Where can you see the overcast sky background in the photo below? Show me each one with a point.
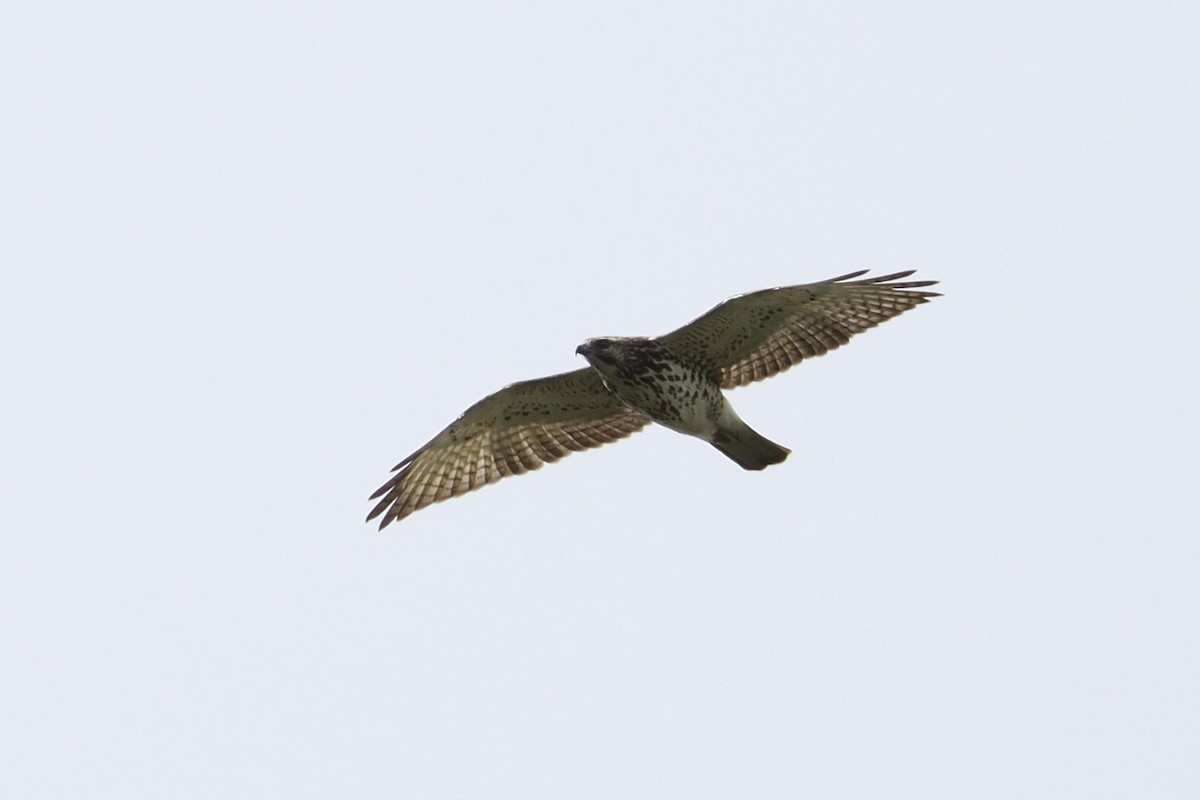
(255, 254)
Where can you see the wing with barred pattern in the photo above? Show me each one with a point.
(754, 336)
(517, 429)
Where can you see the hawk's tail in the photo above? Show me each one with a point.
(749, 448)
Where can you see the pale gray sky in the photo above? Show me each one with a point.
(254, 254)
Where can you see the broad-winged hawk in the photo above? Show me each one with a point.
(674, 380)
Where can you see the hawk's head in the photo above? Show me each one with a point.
(618, 353)
(593, 347)
(604, 350)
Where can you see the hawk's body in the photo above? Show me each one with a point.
(682, 394)
(675, 380)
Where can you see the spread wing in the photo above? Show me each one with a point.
(760, 334)
(517, 429)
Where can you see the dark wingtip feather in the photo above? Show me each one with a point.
(848, 276)
(894, 276)
(379, 507)
(891, 279)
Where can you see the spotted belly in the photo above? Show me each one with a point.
(672, 394)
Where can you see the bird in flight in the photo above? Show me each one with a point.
(675, 380)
